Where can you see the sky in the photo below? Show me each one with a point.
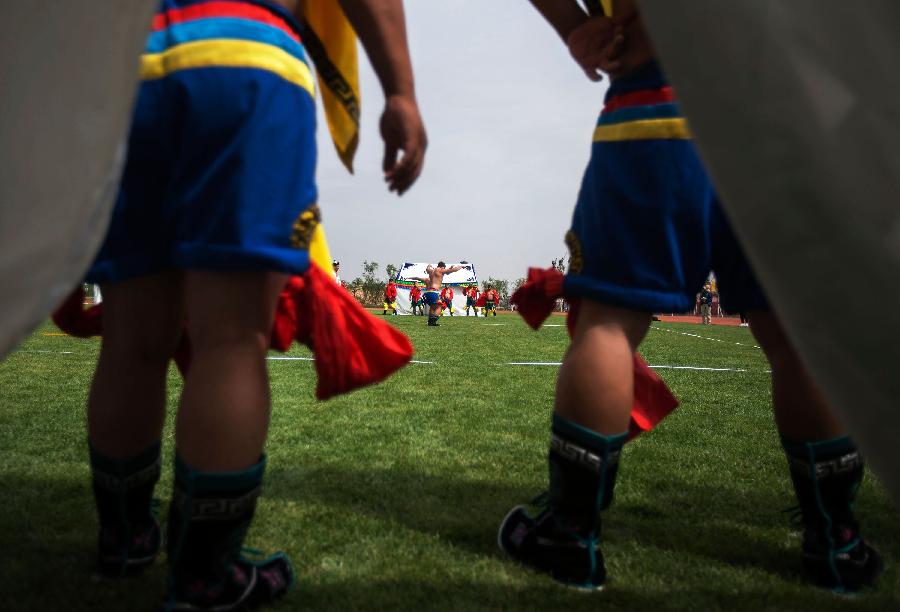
(509, 118)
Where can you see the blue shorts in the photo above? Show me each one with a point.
(648, 227)
(221, 161)
(432, 297)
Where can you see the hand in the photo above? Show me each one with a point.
(402, 129)
(596, 45)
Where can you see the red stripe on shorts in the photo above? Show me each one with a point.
(640, 98)
(222, 8)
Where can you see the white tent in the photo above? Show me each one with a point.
(457, 280)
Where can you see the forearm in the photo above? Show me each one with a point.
(381, 26)
(563, 15)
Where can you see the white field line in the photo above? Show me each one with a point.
(533, 363)
(285, 358)
(672, 331)
(656, 367)
(493, 323)
(47, 352)
(552, 325)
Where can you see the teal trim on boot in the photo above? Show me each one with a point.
(208, 521)
(129, 536)
(562, 536)
(826, 475)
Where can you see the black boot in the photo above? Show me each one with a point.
(208, 519)
(433, 320)
(561, 536)
(129, 536)
(826, 476)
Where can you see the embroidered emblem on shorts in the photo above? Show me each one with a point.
(305, 226)
(576, 259)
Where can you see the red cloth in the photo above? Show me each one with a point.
(447, 293)
(72, 318)
(351, 347)
(653, 400)
(482, 300)
(415, 293)
(390, 292)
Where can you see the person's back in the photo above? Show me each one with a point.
(217, 200)
(646, 231)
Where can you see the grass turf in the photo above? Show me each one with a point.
(389, 498)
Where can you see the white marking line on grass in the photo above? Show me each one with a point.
(48, 352)
(672, 331)
(552, 325)
(535, 363)
(493, 323)
(674, 367)
(656, 367)
(279, 358)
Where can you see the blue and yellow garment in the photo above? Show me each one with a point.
(221, 163)
(647, 227)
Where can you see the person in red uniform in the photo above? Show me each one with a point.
(415, 294)
(390, 298)
(447, 298)
(471, 297)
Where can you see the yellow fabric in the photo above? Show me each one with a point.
(318, 250)
(229, 53)
(607, 7)
(337, 71)
(643, 129)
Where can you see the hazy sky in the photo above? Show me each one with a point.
(509, 119)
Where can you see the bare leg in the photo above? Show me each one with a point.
(594, 394)
(835, 554)
(142, 321)
(801, 411)
(595, 387)
(224, 414)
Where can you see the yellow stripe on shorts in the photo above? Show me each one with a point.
(643, 129)
(227, 54)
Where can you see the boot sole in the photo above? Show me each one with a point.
(580, 588)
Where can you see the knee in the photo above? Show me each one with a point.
(773, 340)
(228, 338)
(141, 347)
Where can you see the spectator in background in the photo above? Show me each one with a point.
(471, 297)
(390, 298)
(447, 300)
(415, 297)
(706, 298)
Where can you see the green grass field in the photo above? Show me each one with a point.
(389, 498)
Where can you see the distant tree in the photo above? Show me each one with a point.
(517, 284)
(560, 264)
(372, 286)
(391, 270)
(355, 287)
